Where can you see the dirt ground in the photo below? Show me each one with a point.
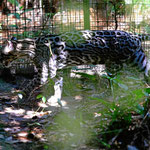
(33, 125)
(25, 127)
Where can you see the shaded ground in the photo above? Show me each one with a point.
(25, 127)
(73, 127)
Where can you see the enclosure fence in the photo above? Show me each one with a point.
(32, 18)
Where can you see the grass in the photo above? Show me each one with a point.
(121, 108)
(129, 98)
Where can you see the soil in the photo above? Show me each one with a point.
(35, 125)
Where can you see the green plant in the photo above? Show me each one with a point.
(43, 98)
(116, 114)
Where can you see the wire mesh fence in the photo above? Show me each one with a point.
(32, 18)
(29, 18)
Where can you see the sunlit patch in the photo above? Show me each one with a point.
(38, 133)
(43, 105)
(70, 129)
(97, 115)
(22, 134)
(24, 139)
(13, 129)
(16, 112)
(56, 104)
(31, 114)
(78, 97)
(2, 113)
(64, 103)
(14, 122)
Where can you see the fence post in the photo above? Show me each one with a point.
(86, 10)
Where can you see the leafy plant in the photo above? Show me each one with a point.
(43, 98)
(117, 112)
(14, 2)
